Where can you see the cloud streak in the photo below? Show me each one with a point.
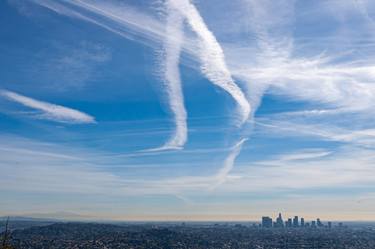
(173, 43)
(228, 165)
(129, 22)
(121, 20)
(49, 111)
(212, 56)
(330, 90)
(275, 63)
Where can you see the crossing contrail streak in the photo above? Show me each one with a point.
(212, 56)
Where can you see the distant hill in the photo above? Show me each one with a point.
(26, 218)
(56, 216)
(23, 222)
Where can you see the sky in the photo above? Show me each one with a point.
(187, 109)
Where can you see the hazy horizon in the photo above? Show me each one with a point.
(211, 219)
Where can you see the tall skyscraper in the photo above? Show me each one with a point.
(279, 221)
(302, 222)
(266, 222)
(295, 221)
(319, 223)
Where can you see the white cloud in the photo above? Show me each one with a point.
(228, 164)
(212, 56)
(271, 62)
(123, 20)
(30, 165)
(133, 22)
(190, 183)
(277, 64)
(49, 111)
(305, 155)
(337, 85)
(348, 167)
(71, 67)
(173, 88)
(281, 126)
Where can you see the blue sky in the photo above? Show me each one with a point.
(187, 110)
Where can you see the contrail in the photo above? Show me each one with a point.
(222, 174)
(173, 43)
(49, 111)
(212, 56)
(210, 53)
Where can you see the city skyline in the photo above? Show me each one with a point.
(187, 109)
(295, 222)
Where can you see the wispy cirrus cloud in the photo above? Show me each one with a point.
(75, 66)
(209, 182)
(228, 165)
(41, 167)
(207, 49)
(122, 20)
(334, 80)
(311, 64)
(47, 110)
(309, 169)
(338, 86)
(272, 61)
(294, 127)
(36, 166)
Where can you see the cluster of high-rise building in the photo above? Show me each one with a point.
(267, 222)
